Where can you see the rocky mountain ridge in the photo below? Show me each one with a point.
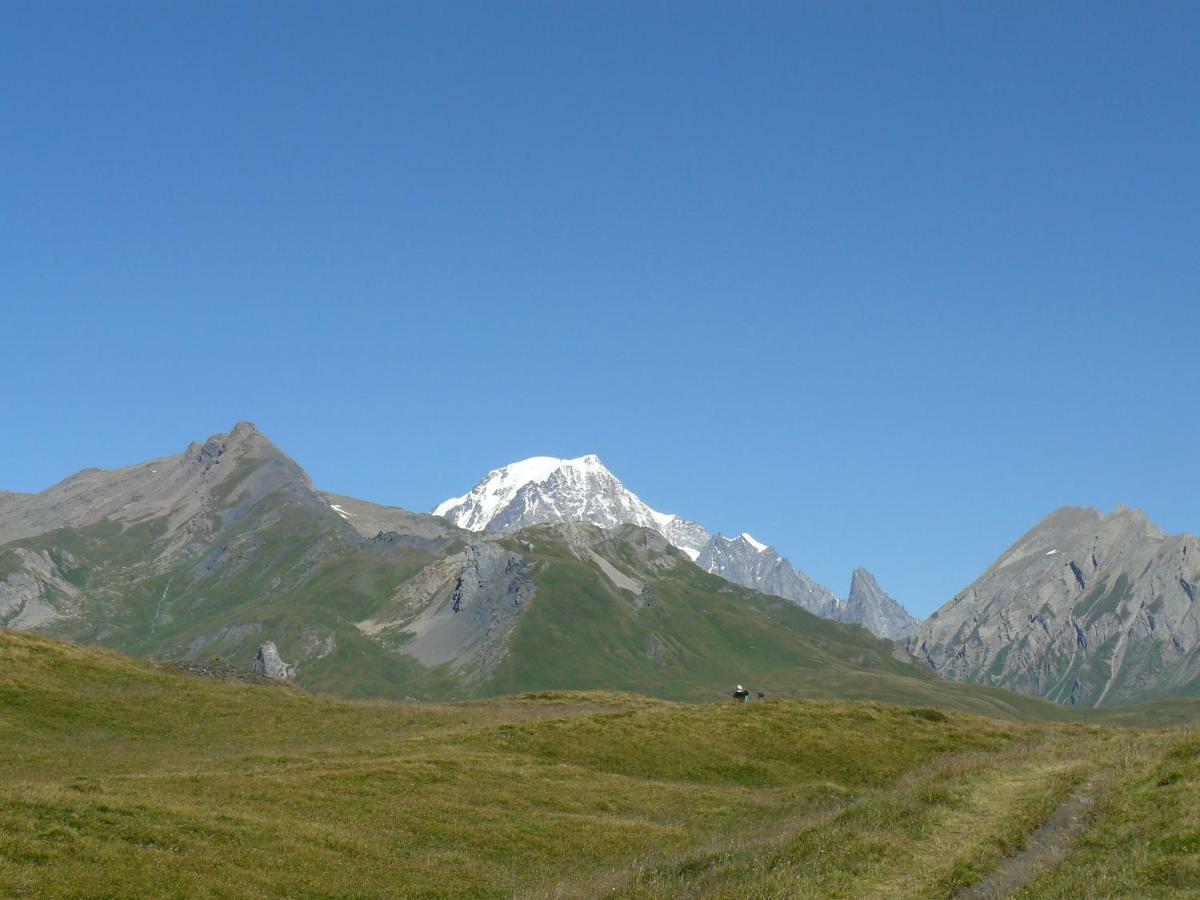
(545, 489)
(1085, 608)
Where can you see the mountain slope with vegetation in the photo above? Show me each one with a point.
(228, 546)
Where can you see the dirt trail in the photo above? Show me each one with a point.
(1046, 847)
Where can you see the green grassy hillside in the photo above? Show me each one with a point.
(118, 778)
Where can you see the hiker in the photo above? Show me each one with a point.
(741, 695)
(762, 698)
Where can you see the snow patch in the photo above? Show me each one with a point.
(662, 519)
(341, 512)
(760, 547)
(1052, 552)
(693, 553)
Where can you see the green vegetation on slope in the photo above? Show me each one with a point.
(278, 572)
(119, 779)
(697, 635)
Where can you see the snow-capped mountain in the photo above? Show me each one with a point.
(544, 489)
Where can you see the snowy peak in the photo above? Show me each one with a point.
(545, 489)
(474, 510)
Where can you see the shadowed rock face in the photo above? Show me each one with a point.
(1085, 609)
(739, 560)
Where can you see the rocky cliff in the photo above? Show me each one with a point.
(1086, 608)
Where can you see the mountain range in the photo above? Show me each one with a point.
(544, 490)
(227, 550)
(559, 577)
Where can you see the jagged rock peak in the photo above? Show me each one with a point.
(868, 605)
(242, 434)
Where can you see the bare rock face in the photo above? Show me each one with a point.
(1084, 609)
(747, 562)
(869, 606)
(391, 524)
(268, 663)
(37, 593)
(460, 611)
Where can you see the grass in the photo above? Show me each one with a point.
(1145, 841)
(118, 778)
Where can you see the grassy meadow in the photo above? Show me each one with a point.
(121, 779)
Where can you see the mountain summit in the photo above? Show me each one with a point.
(1086, 608)
(547, 490)
(869, 605)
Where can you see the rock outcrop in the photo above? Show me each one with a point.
(268, 663)
(460, 611)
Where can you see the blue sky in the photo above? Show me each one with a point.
(882, 283)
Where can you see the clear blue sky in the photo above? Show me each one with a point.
(882, 283)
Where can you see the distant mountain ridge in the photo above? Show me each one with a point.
(227, 547)
(227, 551)
(545, 489)
(747, 561)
